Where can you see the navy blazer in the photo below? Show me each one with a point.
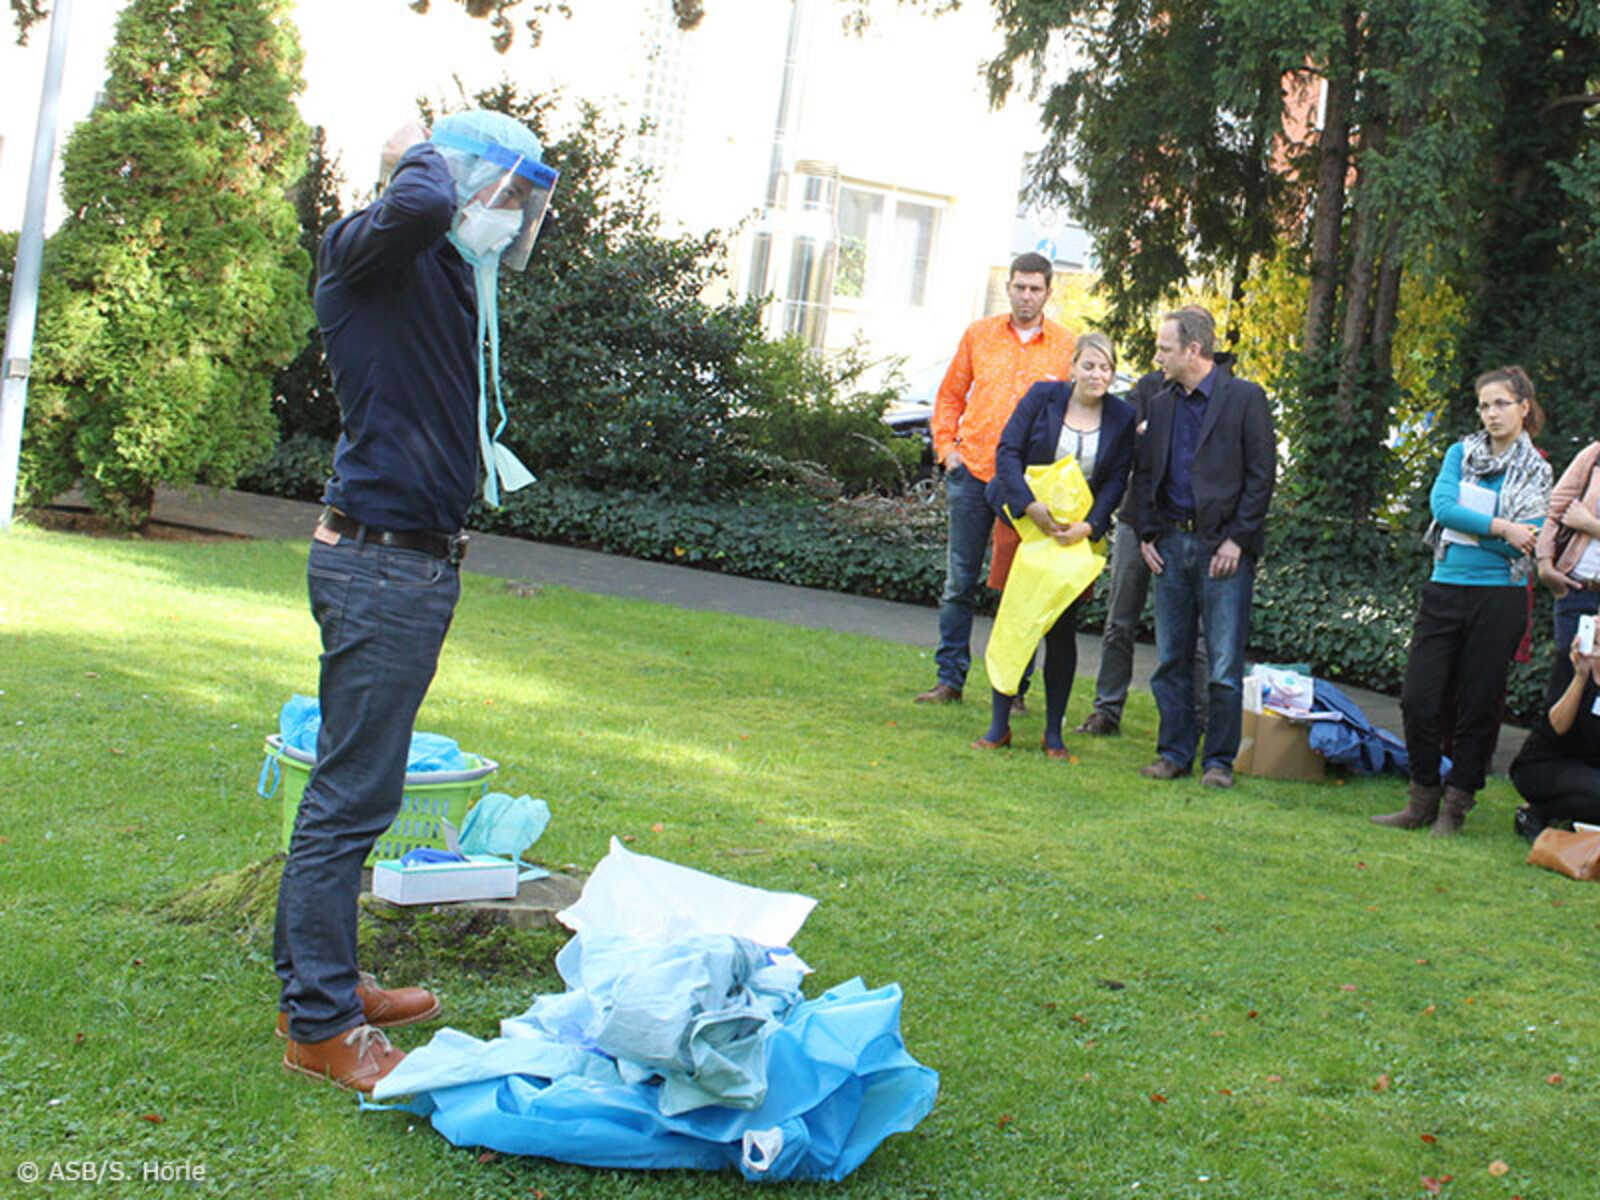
(1235, 465)
(1031, 436)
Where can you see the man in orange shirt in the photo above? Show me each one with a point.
(998, 360)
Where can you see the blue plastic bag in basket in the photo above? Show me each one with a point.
(300, 721)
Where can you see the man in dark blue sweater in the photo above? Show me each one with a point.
(399, 299)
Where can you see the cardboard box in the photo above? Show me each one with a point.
(1274, 747)
(482, 877)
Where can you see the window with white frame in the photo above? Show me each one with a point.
(886, 241)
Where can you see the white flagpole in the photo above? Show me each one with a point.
(15, 366)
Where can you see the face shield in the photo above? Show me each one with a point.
(511, 209)
(507, 192)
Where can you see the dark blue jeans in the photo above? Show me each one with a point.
(971, 519)
(383, 614)
(1187, 598)
(1130, 582)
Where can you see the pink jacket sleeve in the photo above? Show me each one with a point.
(1571, 486)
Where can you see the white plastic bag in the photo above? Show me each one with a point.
(1285, 691)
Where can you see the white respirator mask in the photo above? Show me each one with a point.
(487, 231)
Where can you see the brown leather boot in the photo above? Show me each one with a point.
(1422, 806)
(355, 1059)
(387, 1008)
(1453, 812)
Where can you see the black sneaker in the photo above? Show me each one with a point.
(1528, 823)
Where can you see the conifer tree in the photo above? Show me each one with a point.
(176, 286)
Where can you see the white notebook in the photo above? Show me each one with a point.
(1480, 500)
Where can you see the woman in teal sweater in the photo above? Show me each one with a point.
(1488, 502)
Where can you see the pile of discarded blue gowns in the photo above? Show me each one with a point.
(683, 1040)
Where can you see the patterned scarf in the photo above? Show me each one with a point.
(1524, 493)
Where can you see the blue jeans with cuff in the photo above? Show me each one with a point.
(383, 613)
(1187, 598)
(971, 519)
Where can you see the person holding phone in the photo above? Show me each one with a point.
(1557, 772)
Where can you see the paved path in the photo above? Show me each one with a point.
(687, 587)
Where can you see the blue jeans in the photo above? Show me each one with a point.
(1130, 582)
(1187, 598)
(383, 614)
(971, 519)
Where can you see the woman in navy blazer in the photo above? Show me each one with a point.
(1054, 420)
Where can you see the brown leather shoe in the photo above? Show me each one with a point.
(355, 1059)
(1099, 725)
(940, 693)
(387, 1008)
(984, 743)
(1164, 768)
(1217, 777)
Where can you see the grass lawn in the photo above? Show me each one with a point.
(1129, 989)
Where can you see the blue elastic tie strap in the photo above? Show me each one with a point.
(426, 855)
(270, 771)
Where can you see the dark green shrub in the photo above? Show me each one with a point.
(302, 392)
(890, 549)
(812, 408)
(297, 468)
(617, 373)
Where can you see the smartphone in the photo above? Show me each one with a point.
(1586, 634)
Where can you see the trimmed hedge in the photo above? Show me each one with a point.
(873, 546)
(1339, 595)
(1336, 594)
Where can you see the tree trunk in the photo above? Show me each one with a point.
(1327, 216)
(1385, 313)
(1367, 236)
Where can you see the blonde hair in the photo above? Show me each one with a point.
(1094, 340)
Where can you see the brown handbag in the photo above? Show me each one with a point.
(1575, 855)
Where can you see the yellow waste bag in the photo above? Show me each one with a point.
(1046, 577)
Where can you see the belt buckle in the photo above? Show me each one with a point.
(458, 548)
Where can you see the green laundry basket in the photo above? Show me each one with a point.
(431, 797)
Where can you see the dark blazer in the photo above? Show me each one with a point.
(1030, 438)
(1139, 396)
(1235, 465)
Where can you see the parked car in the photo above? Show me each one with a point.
(912, 416)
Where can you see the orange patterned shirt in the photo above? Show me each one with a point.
(989, 374)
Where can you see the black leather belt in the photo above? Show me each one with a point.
(452, 547)
(1183, 523)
